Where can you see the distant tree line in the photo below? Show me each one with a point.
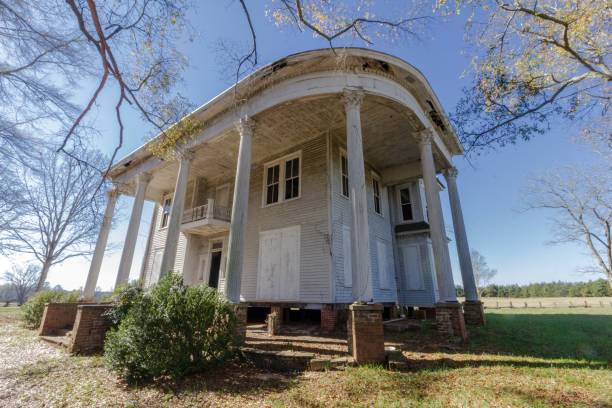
(594, 288)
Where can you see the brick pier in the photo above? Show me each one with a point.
(473, 312)
(366, 337)
(449, 319)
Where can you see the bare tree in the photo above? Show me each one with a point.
(482, 272)
(63, 205)
(579, 201)
(134, 45)
(535, 62)
(23, 280)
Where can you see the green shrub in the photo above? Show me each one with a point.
(173, 330)
(123, 298)
(34, 308)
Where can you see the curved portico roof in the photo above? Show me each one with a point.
(301, 73)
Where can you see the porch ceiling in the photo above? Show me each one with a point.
(387, 130)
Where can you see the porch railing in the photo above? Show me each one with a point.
(209, 210)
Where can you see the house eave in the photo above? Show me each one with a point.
(223, 101)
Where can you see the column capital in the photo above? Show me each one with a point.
(451, 173)
(424, 137)
(144, 178)
(352, 98)
(245, 125)
(185, 155)
(113, 193)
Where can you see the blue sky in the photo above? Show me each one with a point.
(513, 242)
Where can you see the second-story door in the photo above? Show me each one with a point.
(222, 195)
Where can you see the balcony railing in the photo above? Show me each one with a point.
(209, 210)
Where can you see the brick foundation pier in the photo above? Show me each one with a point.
(449, 319)
(473, 312)
(366, 338)
(329, 318)
(90, 327)
(241, 314)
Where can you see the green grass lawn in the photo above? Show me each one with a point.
(576, 333)
(522, 358)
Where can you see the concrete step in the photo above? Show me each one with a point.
(63, 341)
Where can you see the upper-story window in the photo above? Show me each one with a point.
(376, 191)
(272, 184)
(166, 212)
(282, 179)
(292, 178)
(344, 174)
(406, 204)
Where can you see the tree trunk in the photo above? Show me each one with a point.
(43, 276)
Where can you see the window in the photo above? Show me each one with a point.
(286, 169)
(376, 190)
(344, 173)
(405, 204)
(272, 184)
(166, 212)
(292, 178)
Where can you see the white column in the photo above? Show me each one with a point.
(444, 274)
(176, 214)
(463, 249)
(362, 279)
(96, 260)
(125, 264)
(235, 253)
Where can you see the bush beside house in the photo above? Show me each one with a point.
(34, 308)
(173, 330)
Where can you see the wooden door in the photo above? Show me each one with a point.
(278, 277)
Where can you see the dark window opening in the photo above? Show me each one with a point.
(166, 213)
(272, 184)
(345, 180)
(406, 204)
(376, 189)
(292, 178)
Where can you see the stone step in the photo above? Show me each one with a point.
(63, 341)
(63, 332)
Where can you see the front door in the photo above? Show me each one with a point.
(215, 264)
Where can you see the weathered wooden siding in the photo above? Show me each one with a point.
(309, 211)
(428, 295)
(379, 227)
(158, 241)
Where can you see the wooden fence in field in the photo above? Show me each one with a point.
(541, 303)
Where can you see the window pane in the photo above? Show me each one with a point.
(296, 166)
(405, 196)
(296, 187)
(377, 204)
(344, 175)
(276, 172)
(406, 212)
(288, 172)
(270, 175)
(288, 189)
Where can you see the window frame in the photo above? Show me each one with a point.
(413, 203)
(163, 212)
(344, 155)
(282, 163)
(376, 179)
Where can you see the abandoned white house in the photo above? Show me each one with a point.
(313, 184)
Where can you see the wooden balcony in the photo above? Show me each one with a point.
(207, 219)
